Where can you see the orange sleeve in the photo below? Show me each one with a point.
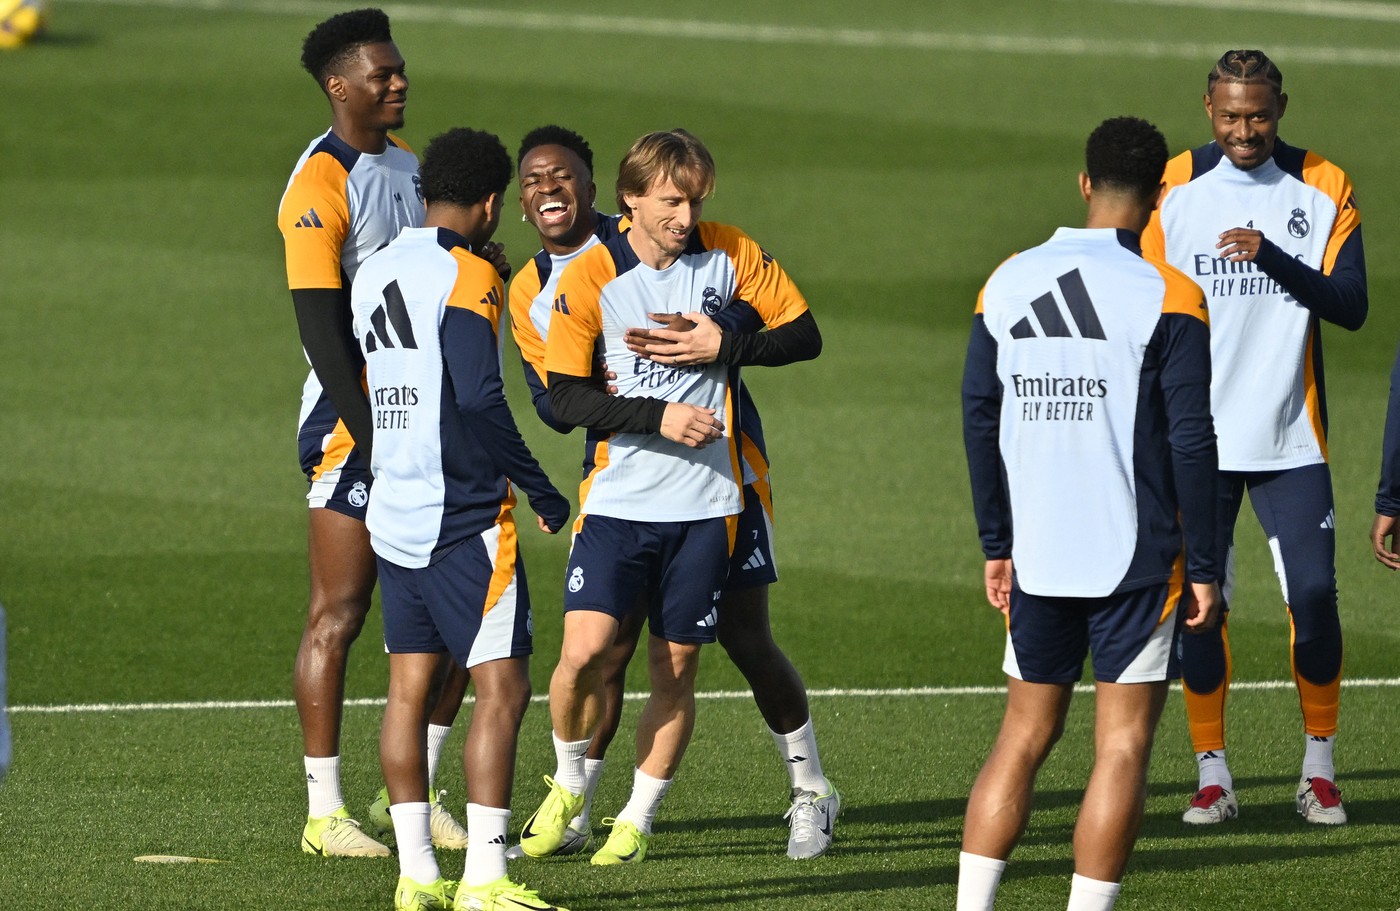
(1182, 295)
(314, 219)
(759, 279)
(576, 318)
(523, 291)
(1320, 173)
(478, 287)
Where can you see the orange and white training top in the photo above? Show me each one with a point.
(607, 290)
(1265, 341)
(340, 206)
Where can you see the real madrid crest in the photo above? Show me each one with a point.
(1298, 225)
(710, 302)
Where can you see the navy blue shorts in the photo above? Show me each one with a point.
(676, 569)
(752, 562)
(1132, 635)
(336, 470)
(471, 601)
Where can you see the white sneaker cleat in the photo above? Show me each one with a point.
(447, 832)
(1319, 801)
(811, 818)
(337, 835)
(1211, 805)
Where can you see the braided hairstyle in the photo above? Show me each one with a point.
(1246, 67)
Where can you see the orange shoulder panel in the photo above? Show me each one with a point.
(400, 143)
(314, 220)
(524, 288)
(1321, 174)
(758, 277)
(1182, 295)
(478, 287)
(576, 317)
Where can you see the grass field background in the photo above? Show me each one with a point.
(152, 534)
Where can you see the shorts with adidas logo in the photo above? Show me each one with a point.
(676, 569)
(1132, 635)
(471, 601)
(752, 563)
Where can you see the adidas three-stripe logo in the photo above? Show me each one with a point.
(1052, 322)
(1331, 520)
(310, 220)
(393, 312)
(755, 561)
(710, 619)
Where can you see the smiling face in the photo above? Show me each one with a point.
(662, 221)
(1244, 117)
(556, 195)
(371, 88)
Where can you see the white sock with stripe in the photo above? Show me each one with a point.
(323, 795)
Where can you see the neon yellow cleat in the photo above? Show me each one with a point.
(411, 895)
(378, 822)
(501, 895)
(544, 832)
(625, 845)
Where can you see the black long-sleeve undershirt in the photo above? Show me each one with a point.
(324, 323)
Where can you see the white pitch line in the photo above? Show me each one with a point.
(1326, 9)
(714, 695)
(558, 22)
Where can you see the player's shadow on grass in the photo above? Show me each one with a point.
(810, 882)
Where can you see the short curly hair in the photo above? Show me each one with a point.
(555, 136)
(464, 166)
(1245, 66)
(1126, 154)
(332, 42)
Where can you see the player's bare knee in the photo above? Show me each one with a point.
(335, 622)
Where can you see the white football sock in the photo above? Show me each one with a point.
(978, 878)
(647, 793)
(416, 858)
(799, 752)
(592, 772)
(1087, 894)
(322, 785)
(437, 736)
(568, 757)
(1213, 770)
(486, 844)
(1317, 758)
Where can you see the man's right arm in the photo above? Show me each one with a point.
(1185, 381)
(981, 396)
(326, 334)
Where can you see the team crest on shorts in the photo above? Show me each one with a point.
(358, 495)
(710, 302)
(576, 579)
(1298, 225)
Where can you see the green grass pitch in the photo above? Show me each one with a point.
(890, 154)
